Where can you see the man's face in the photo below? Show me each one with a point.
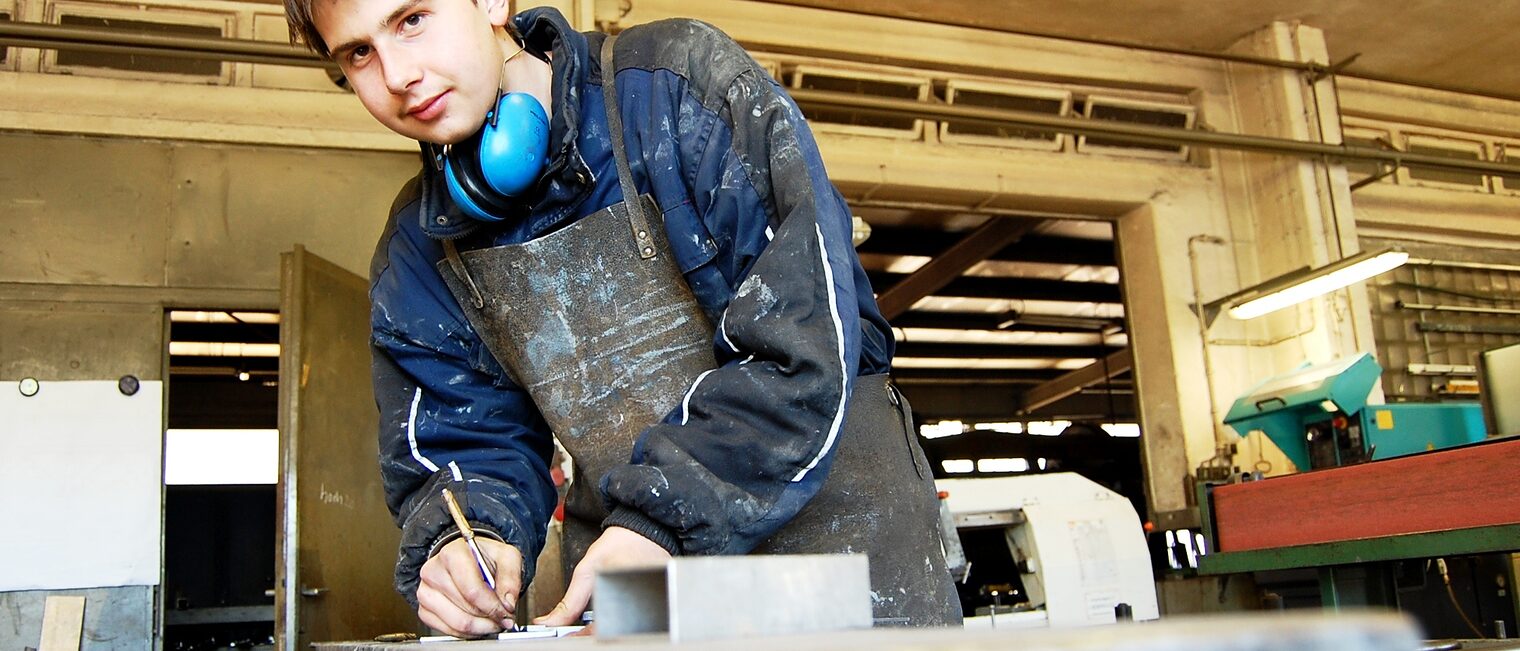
(426, 69)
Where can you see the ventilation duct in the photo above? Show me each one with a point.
(1005, 97)
(1153, 114)
(866, 84)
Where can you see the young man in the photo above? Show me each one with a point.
(709, 355)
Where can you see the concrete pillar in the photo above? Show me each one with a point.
(1286, 213)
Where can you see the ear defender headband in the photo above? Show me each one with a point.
(503, 159)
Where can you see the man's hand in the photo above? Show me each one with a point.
(617, 547)
(453, 598)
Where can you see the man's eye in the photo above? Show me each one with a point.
(413, 20)
(358, 53)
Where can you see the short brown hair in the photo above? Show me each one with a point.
(302, 29)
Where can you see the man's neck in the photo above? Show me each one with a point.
(528, 74)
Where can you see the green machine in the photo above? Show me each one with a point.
(1319, 417)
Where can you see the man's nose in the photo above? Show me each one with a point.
(401, 71)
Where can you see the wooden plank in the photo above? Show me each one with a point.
(62, 623)
(1003, 351)
(1077, 380)
(1461, 488)
(904, 240)
(997, 233)
(1008, 287)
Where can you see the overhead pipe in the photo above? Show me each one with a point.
(1457, 264)
(1139, 133)
(106, 39)
(1315, 70)
(25, 34)
(1432, 307)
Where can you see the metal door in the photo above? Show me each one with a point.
(336, 540)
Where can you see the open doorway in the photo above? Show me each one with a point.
(221, 459)
(1016, 365)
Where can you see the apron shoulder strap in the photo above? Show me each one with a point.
(638, 217)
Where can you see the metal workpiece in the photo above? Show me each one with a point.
(735, 597)
(1300, 631)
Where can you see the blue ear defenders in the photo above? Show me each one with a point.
(500, 161)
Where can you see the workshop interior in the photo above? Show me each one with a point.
(1204, 310)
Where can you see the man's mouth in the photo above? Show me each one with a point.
(429, 108)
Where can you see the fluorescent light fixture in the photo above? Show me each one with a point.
(860, 230)
(1047, 427)
(1122, 430)
(222, 349)
(942, 429)
(1002, 465)
(1299, 286)
(958, 466)
(188, 316)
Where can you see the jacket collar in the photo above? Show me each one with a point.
(545, 32)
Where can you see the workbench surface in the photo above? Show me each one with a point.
(1308, 631)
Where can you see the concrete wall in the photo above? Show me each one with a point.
(173, 214)
(102, 234)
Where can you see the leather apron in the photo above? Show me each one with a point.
(596, 322)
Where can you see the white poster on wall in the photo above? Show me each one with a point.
(81, 480)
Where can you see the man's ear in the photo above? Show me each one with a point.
(499, 11)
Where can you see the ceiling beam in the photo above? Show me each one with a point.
(1001, 351)
(942, 376)
(1032, 289)
(998, 402)
(188, 364)
(993, 321)
(992, 236)
(1054, 249)
(1073, 382)
(1081, 443)
(907, 376)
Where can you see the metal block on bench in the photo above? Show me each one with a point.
(716, 597)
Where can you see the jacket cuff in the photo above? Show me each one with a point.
(429, 526)
(452, 534)
(641, 524)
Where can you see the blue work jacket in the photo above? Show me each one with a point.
(762, 238)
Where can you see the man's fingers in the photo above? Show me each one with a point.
(453, 590)
(507, 562)
(441, 589)
(441, 615)
(477, 597)
(577, 595)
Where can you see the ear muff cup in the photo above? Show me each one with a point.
(461, 172)
(501, 161)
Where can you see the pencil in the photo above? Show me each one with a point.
(469, 537)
